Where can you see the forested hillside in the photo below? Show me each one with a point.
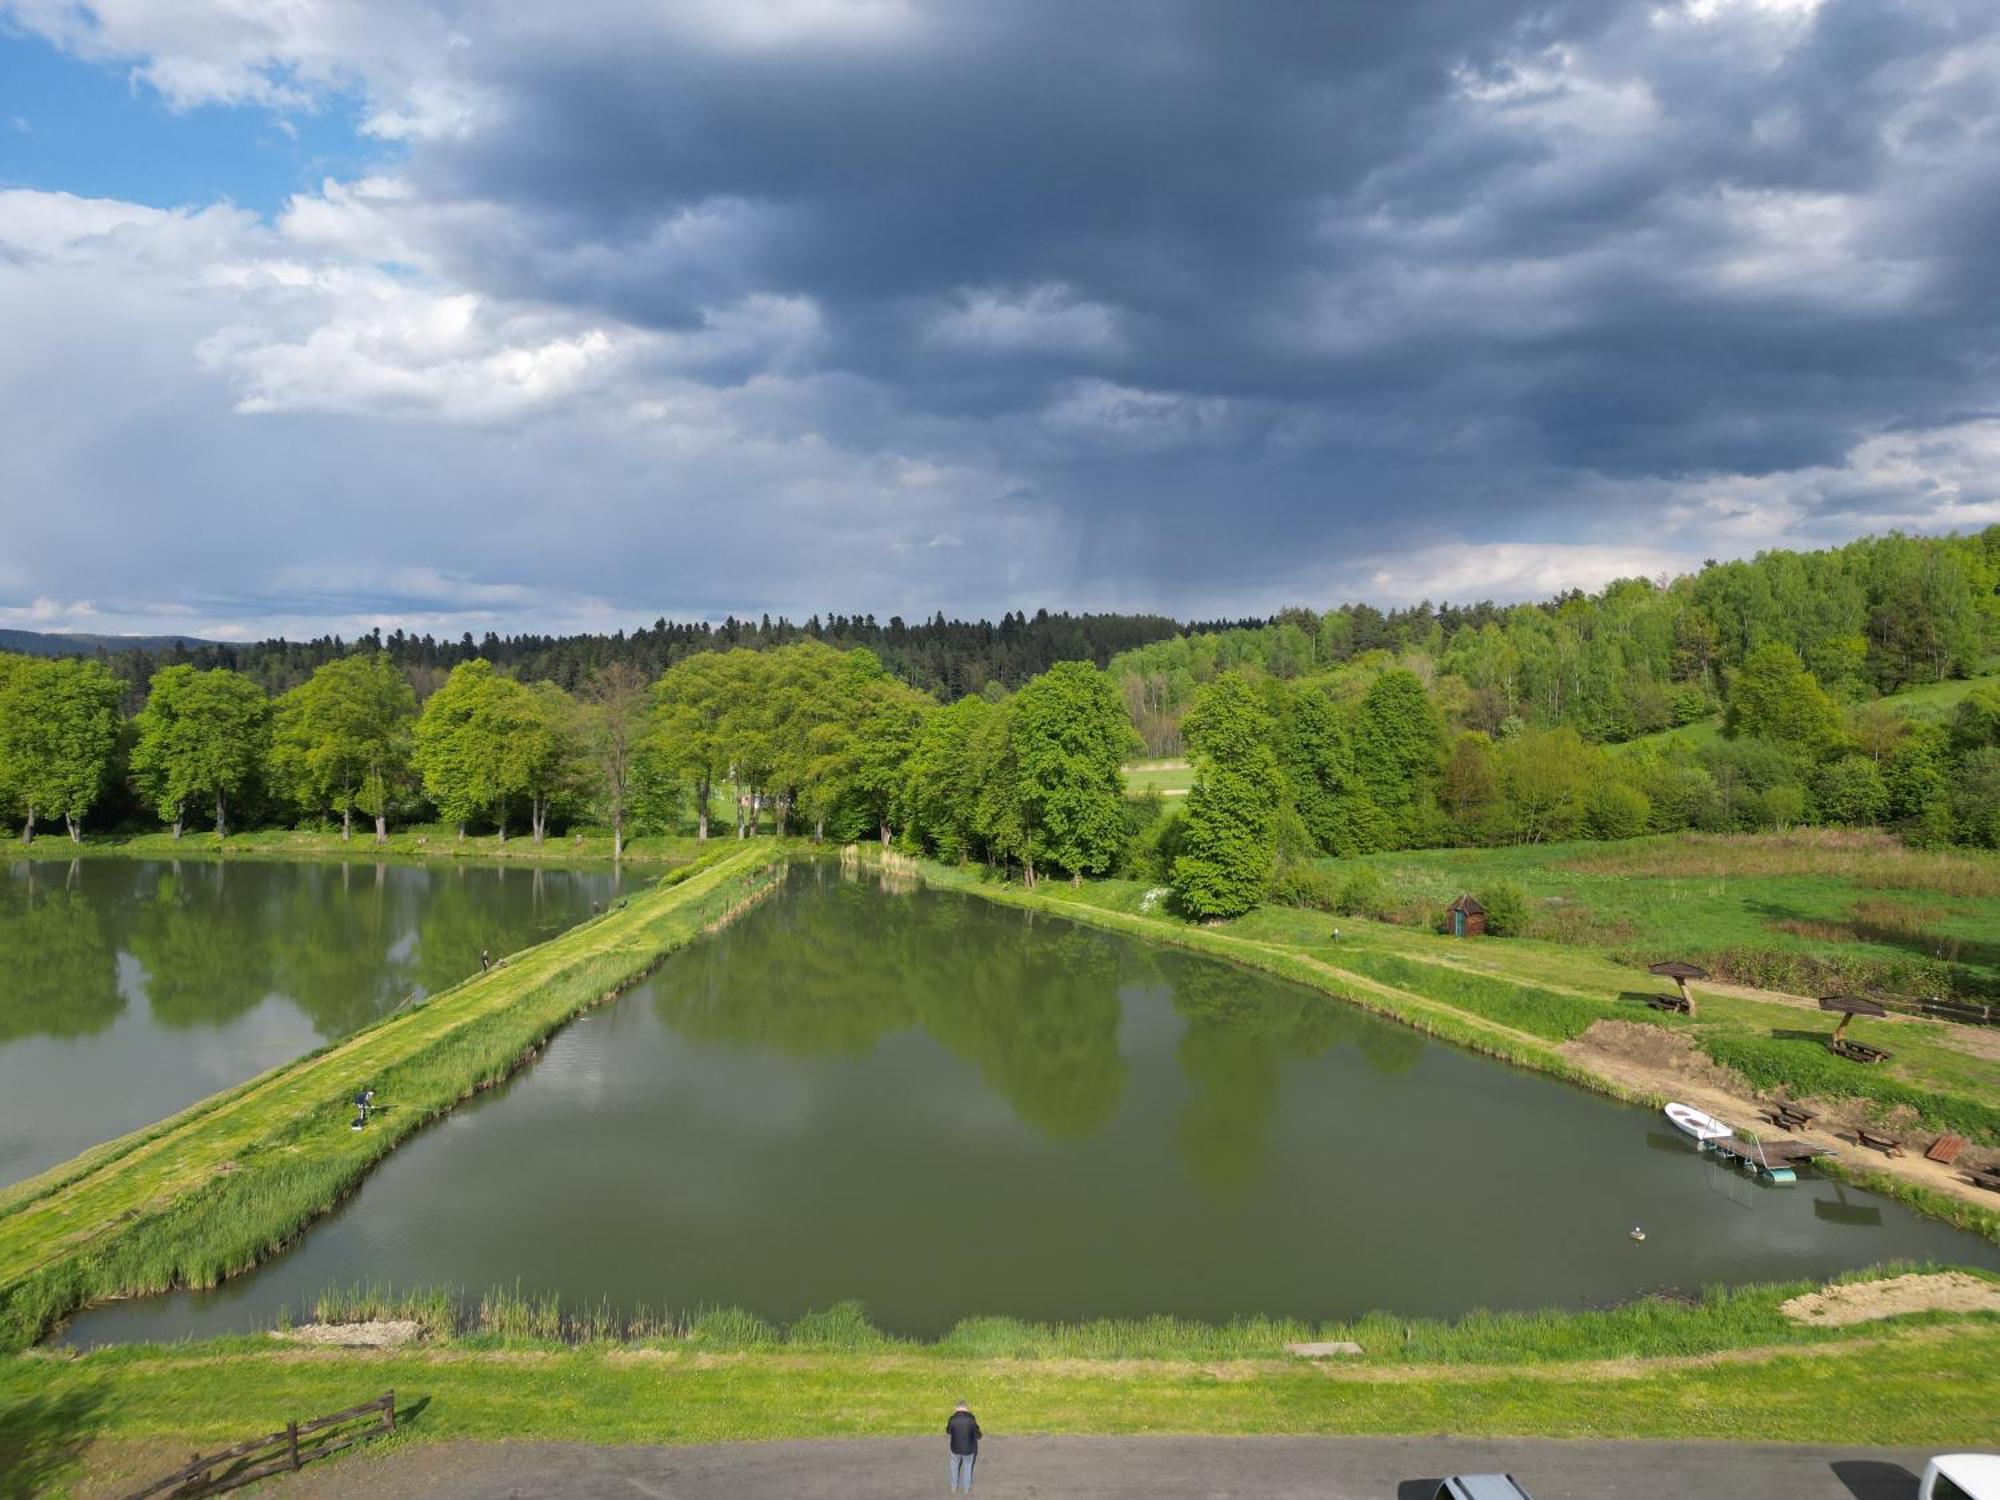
(946, 657)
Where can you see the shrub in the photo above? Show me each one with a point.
(1363, 893)
(1295, 883)
(1506, 909)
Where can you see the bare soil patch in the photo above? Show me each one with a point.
(1864, 1301)
(380, 1333)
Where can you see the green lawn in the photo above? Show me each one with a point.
(1856, 896)
(1920, 1384)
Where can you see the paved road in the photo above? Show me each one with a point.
(1082, 1468)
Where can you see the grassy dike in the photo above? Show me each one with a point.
(424, 843)
(212, 1190)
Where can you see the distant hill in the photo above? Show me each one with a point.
(40, 643)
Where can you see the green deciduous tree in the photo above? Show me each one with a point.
(341, 739)
(1773, 697)
(202, 736)
(460, 745)
(58, 734)
(1230, 841)
(614, 726)
(1070, 740)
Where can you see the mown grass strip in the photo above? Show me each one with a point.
(1937, 1385)
(223, 1184)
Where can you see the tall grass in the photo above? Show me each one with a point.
(1720, 1319)
(1867, 857)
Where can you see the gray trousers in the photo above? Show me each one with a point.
(961, 1469)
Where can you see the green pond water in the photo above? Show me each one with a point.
(130, 989)
(943, 1108)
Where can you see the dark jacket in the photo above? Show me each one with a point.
(963, 1430)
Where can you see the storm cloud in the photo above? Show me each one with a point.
(904, 305)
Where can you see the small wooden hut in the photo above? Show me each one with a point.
(1466, 916)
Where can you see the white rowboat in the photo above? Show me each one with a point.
(1691, 1121)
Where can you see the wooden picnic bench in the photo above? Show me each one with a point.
(1792, 1116)
(1986, 1177)
(1888, 1145)
(1854, 1051)
(1670, 1002)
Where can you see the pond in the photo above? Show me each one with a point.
(942, 1108)
(130, 989)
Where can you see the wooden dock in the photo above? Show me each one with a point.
(1775, 1161)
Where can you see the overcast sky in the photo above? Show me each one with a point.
(461, 314)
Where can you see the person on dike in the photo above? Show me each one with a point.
(963, 1430)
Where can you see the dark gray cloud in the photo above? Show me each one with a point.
(1173, 304)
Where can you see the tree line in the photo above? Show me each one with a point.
(800, 738)
(947, 658)
(1373, 732)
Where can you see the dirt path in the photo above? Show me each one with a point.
(1652, 1060)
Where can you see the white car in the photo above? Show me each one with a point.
(1961, 1476)
(1485, 1487)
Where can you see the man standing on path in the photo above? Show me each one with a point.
(963, 1430)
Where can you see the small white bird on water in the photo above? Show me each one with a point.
(1637, 1233)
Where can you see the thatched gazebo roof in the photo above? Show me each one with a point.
(1675, 969)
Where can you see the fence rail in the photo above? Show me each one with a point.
(277, 1453)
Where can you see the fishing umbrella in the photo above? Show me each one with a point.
(1680, 973)
(1848, 1007)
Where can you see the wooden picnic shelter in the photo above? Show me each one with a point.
(1847, 1007)
(1680, 973)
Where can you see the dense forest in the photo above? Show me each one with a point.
(947, 658)
(1311, 735)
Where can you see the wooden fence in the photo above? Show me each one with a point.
(281, 1452)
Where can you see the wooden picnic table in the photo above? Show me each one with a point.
(1670, 1002)
(1888, 1145)
(1854, 1051)
(1792, 1116)
(1987, 1177)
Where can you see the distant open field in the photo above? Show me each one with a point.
(1170, 778)
(1931, 702)
(1817, 894)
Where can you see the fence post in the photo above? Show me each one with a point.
(389, 1410)
(292, 1436)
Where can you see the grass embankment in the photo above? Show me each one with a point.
(423, 842)
(1916, 1383)
(212, 1190)
(1522, 1000)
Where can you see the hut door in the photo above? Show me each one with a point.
(1458, 924)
